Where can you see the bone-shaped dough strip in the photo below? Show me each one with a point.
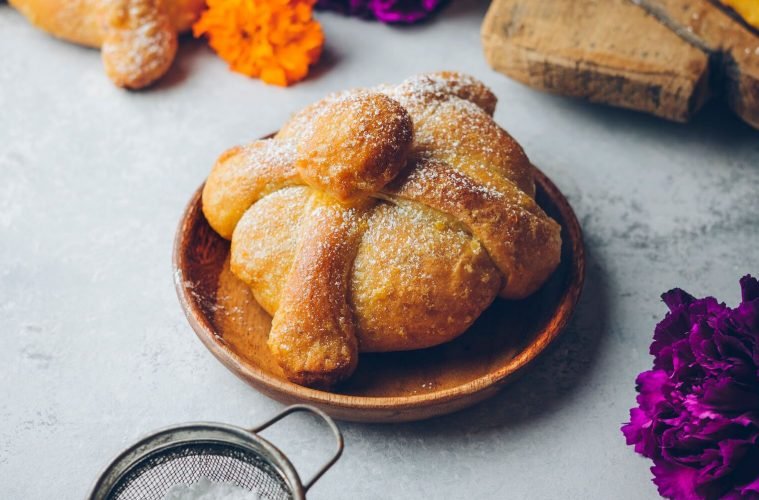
(313, 333)
(521, 239)
(242, 176)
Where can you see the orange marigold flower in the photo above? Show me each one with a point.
(275, 40)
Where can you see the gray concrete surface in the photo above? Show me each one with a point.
(96, 351)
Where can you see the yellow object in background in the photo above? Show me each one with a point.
(748, 10)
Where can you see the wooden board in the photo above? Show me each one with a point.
(664, 57)
(733, 47)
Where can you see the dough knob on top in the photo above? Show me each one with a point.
(354, 145)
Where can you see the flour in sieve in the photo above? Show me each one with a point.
(208, 490)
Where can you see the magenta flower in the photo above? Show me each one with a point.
(386, 11)
(698, 408)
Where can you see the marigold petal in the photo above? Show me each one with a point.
(275, 40)
(274, 75)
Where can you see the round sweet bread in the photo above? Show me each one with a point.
(381, 220)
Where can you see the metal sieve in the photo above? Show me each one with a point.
(186, 453)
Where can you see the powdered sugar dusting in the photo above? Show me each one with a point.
(354, 143)
(422, 89)
(387, 268)
(269, 152)
(452, 123)
(139, 43)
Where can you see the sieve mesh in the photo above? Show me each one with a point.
(187, 463)
(220, 453)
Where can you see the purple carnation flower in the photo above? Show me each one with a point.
(386, 11)
(698, 408)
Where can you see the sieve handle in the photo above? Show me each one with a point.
(327, 419)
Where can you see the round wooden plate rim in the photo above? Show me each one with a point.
(245, 371)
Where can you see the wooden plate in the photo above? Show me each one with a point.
(387, 387)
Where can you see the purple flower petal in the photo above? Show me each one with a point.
(752, 487)
(675, 481)
(386, 11)
(698, 409)
(677, 298)
(650, 389)
(640, 432)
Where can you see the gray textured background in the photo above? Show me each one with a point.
(96, 350)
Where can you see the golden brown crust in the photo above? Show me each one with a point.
(420, 284)
(264, 243)
(440, 86)
(467, 88)
(139, 42)
(242, 176)
(418, 279)
(313, 332)
(294, 128)
(453, 123)
(78, 22)
(405, 266)
(354, 145)
(521, 239)
(461, 134)
(138, 37)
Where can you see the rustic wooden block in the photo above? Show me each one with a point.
(732, 46)
(664, 57)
